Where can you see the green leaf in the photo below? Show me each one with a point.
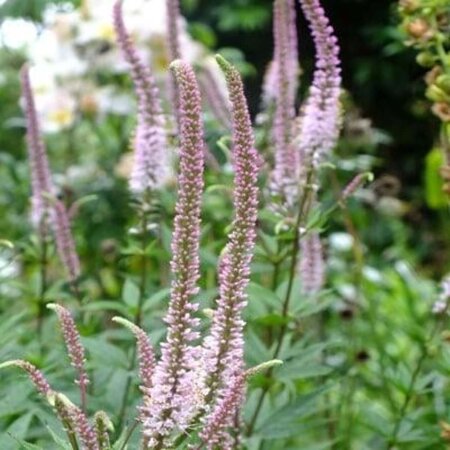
(286, 421)
(130, 293)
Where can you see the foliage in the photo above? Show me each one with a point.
(366, 357)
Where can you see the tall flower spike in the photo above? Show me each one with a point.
(286, 66)
(224, 346)
(74, 348)
(321, 119)
(37, 155)
(150, 168)
(174, 382)
(174, 49)
(312, 269)
(64, 240)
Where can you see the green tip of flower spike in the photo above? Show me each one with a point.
(13, 362)
(223, 63)
(126, 323)
(175, 65)
(263, 366)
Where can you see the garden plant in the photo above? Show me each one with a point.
(180, 271)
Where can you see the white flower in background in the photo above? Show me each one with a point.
(74, 46)
(17, 33)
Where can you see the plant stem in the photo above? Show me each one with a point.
(43, 262)
(302, 212)
(410, 391)
(138, 315)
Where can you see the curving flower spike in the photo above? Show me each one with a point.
(151, 166)
(312, 268)
(224, 347)
(74, 348)
(37, 154)
(321, 119)
(146, 355)
(36, 376)
(171, 402)
(64, 240)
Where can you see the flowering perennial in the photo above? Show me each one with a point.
(150, 168)
(224, 346)
(170, 402)
(320, 120)
(40, 171)
(285, 66)
(64, 240)
(74, 348)
(312, 268)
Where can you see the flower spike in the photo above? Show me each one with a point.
(145, 352)
(321, 117)
(64, 240)
(312, 268)
(174, 383)
(286, 70)
(37, 154)
(224, 346)
(151, 167)
(74, 348)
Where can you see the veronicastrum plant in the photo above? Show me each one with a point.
(192, 392)
(240, 363)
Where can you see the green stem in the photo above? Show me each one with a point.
(138, 315)
(302, 212)
(410, 391)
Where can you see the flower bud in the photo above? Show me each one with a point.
(418, 29)
(443, 82)
(425, 59)
(436, 94)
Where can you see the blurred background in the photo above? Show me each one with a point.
(386, 86)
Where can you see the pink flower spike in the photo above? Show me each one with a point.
(286, 69)
(321, 117)
(74, 348)
(312, 268)
(146, 355)
(37, 154)
(171, 402)
(224, 346)
(36, 376)
(151, 166)
(215, 431)
(84, 429)
(64, 240)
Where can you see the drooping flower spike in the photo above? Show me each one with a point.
(321, 115)
(40, 172)
(151, 162)
(174, 383)
(74, 348)
(223, 348)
